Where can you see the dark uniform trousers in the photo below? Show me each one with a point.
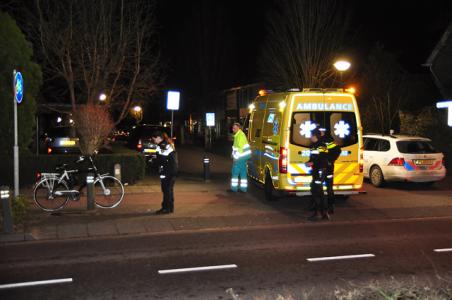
(329, 178)
(318, 197)
(167, 185)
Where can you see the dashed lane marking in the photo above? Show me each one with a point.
(34, 283)
(443, 250)
(198, 269)
(339, 257)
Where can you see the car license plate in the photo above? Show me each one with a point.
(67, 143)
(423, 162)
(149, 150)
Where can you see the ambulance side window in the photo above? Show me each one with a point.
(271, 124)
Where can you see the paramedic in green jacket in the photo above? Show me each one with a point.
(241, 152)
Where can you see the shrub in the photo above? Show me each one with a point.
(19, 207)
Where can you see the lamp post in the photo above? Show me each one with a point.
(342, 66)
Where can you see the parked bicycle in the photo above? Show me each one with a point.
(54, 190)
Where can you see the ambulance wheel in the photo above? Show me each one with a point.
(269, 190)
(376, 176)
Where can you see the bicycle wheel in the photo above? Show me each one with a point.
(46, 194)
(108, 191)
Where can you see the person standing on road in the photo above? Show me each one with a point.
(333, 153)
(167, 169)
(241, 152)
(318, 161)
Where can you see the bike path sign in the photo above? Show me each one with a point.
(18, 87)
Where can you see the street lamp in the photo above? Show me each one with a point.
(138, 111)
(342, 66)
(102, 97)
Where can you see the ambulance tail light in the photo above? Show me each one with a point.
(398, 161)
(283, 160)
(139, 145)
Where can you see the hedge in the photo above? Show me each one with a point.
(133, 166)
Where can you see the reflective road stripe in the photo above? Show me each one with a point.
(34, 283)
(443, 250)
(198, 269)
(339, 257)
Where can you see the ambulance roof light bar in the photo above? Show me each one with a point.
(331, 90)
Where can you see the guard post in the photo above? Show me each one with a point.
(6, 209)
(90, 191)
(206, 167)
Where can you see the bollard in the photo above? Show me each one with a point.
(118, 171)
(90, 192)
(6, 208)
(206, 165)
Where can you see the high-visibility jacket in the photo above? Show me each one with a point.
(240, 149)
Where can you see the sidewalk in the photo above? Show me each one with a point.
(199, 205)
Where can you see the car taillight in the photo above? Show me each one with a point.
(139, 145)
(283, 160)
(49, 150)
(38, 176)
(398, 161)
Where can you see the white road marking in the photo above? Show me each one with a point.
(34, 283)
(443, 250)
(209, 268)
(340, 257)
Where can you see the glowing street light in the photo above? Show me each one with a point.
(342, 66)
(138, 113)
(102, 97)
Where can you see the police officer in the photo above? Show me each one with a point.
(333, 153)
(241, 152)
(319, 162)
(167, 168)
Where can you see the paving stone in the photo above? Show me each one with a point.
(44, 232)
(130, 227)
(102, 228)
(159, 225)
(72, 231)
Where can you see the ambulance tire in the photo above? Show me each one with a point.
(269, 190)
(376, 176)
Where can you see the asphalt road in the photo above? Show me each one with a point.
(269, 260)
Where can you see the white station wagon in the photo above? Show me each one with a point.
(401, 158)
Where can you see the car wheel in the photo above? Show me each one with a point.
(376, 176)
(268, 188)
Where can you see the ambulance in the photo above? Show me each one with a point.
(279, 131)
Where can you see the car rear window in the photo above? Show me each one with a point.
(56, 132)
(415, 147)
(341, 126)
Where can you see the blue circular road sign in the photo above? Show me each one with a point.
(18, 87)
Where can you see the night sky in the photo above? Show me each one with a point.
(410, 29)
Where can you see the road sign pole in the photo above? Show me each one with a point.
(16, 147)
(172, 120)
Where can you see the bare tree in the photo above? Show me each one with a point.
(93, 124)
(99, 47)
(386, 90)
(304, 38)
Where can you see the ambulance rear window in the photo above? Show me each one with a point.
(341, 126)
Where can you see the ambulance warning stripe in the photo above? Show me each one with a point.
(343, 172)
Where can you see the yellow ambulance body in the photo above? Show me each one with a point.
(279, 133)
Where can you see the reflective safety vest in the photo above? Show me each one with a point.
(240, 149)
